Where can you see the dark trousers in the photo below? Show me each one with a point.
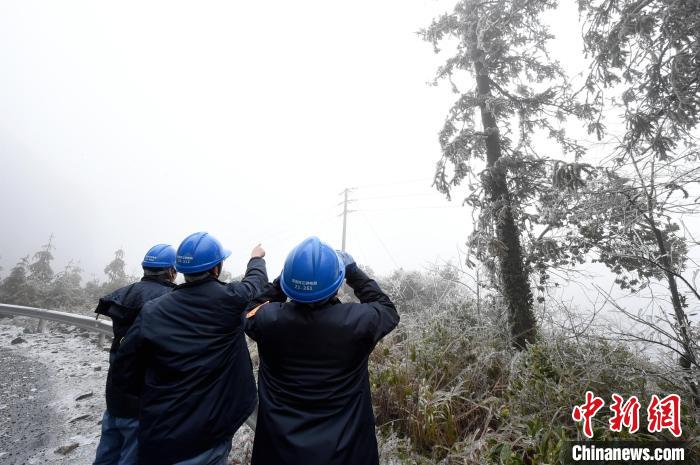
(118, 442)
(217, 455)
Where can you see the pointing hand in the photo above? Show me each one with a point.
(258, 251)
(346, 257)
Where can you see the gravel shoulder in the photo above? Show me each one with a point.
(43, 376)
(24, 396)
(52, 396)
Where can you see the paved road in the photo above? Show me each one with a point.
(51, 399)
(25, 411)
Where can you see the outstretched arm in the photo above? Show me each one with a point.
(383, 316)
(271, 292)
(255, 277)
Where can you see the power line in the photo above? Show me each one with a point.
(346, 200)
(289, 226)
(425, 207)
(397, 183)
(386, 249)
(424, 194)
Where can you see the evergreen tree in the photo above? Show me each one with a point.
(40, 271)
(515, 92)
(646, 69)
(66, 291)
(116, 273)
(93, 291)
(15, 288)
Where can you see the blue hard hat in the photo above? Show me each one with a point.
(159, 256)
(199, 252)
(312, 272)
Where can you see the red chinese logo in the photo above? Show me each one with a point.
(587, 411)
(665, 414)
(662, 414)
(625, 414)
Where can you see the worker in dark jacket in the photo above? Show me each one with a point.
(187, 358)
(315, 406)
(118, 442)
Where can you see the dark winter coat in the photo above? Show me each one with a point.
(187, 356)
(315, 406)
(123, 306)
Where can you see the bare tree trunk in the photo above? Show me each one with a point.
(514, 275)
(688, 359)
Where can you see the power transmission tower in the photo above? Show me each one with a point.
(345, 202)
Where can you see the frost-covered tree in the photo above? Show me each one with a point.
(40, 275)
(40, 270)
(510, 92)
(15, 288)
(646, 69)
(115, 271)
(66, 291)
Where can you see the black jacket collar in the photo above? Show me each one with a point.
(199, 282)
(159, 280)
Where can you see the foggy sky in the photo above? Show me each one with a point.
(125, 124)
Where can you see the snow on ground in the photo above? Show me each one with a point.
(48, 423)
(72, 366)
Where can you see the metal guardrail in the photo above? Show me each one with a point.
(103, 328)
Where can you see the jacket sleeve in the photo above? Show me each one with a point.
(128, 366)
(103, 307)
(253, 282)
(382, 314)
(271, 292)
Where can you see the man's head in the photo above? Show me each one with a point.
(159, 262)
(213, 272)
(313, 272)
(199, 256)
